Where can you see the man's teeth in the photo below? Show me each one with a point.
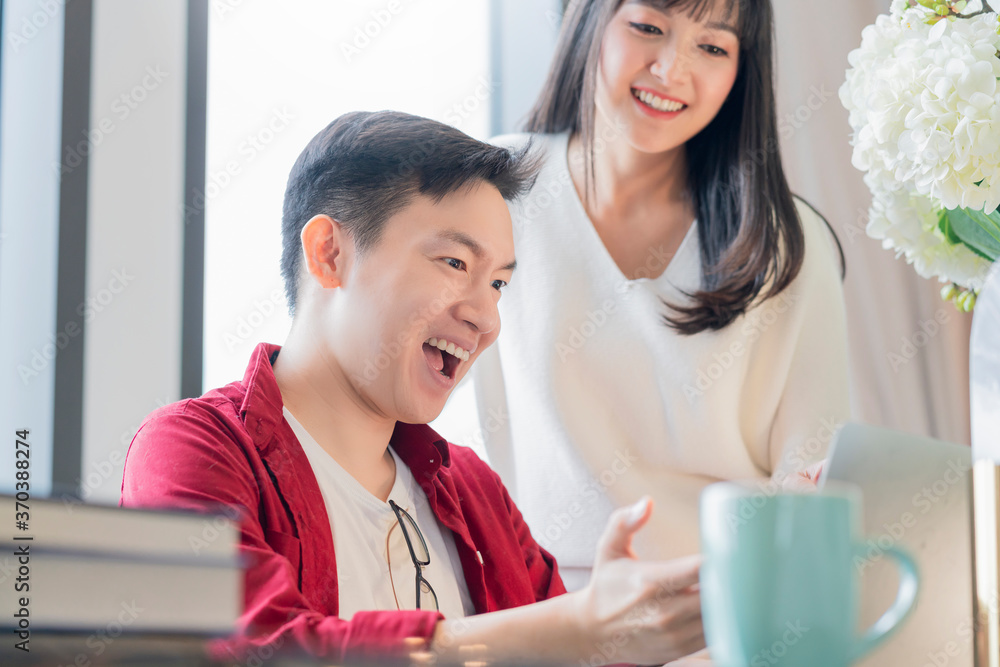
(657, 103)
(450, 348)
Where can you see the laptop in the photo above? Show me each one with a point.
(917, 496)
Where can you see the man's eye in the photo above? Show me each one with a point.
(498, 284)
(646, 28)
(714, 50)
(455, 263)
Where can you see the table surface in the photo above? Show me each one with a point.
(70, 649)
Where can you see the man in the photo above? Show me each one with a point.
(366, 533)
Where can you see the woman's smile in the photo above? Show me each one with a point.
(656, 104)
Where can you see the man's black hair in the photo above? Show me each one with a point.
(365, 166)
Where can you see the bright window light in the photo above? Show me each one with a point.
(279, 73)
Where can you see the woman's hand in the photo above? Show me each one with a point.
(640, 612)
(804, 480)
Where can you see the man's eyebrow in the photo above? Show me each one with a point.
(464, 239)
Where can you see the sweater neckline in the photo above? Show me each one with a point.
(562, 148)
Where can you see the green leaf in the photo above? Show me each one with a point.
(944, 224)
(978, 231)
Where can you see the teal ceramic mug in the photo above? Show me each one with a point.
(779, 583)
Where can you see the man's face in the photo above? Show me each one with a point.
(434, 276)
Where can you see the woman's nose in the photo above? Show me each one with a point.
(671, 65)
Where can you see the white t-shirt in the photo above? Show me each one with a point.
(588, 401)
(361, 524)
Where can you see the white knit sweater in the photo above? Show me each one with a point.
(588, 401)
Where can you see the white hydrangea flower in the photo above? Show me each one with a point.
(897, 8)
(924, 105)
(908, 223)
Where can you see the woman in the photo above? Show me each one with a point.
(678, 318)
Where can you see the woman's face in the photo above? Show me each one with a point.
(662, 76)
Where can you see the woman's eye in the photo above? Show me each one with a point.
(714, 50)
(455, 263)
(497, 284)
(646, 28)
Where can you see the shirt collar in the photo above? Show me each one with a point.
(418, 445)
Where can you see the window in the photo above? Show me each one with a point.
(280, 72)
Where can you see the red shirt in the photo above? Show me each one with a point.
(232, 448)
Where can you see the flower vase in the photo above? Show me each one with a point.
(984, 368)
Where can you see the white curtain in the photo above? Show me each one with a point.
(909, 349)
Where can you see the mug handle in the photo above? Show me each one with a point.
(906, 597)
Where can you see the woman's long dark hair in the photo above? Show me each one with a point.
(751, 237)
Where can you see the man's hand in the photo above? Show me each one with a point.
(650, 611)
(699, 659)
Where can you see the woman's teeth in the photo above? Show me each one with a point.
(657, 103)
(450, 348)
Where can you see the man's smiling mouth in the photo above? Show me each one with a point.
(444, 356)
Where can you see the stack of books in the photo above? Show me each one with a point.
(111, 571)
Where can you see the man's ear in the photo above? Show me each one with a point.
(326, 247)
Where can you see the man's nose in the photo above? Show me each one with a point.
(479, 308)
